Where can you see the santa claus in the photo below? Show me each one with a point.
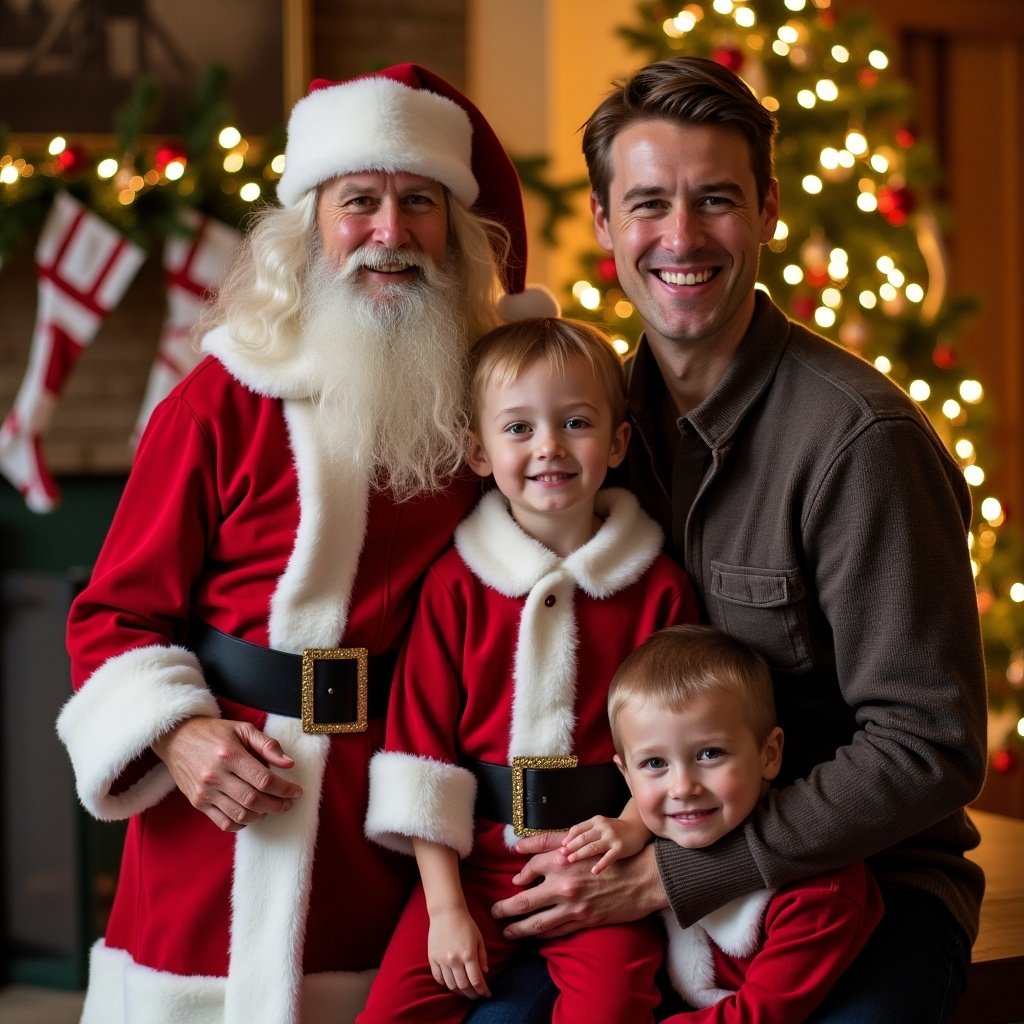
(233, 650)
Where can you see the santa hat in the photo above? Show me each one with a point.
(406, 118)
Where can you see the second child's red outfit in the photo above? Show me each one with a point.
(511, 653)
(773, 955)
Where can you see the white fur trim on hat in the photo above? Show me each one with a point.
(377, 124)
(533, 300)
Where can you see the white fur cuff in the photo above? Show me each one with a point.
(415, 797)
(127, 703)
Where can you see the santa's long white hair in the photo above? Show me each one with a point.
(393, 381)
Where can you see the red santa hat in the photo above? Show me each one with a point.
(406, 118)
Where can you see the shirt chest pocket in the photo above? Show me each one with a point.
(765, 609)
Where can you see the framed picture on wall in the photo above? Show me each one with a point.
(68, 66)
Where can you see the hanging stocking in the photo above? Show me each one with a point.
(194, 264)
(84, 267)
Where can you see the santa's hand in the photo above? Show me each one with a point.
(569, 897)
(222, 767)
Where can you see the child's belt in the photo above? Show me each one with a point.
(546, 794)
(328, 688)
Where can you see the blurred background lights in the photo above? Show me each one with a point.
(965, 449)
(792, 274)
(884, 364)
(107, 168)
(974, 475)
(1017, 592)
(856, 143)
(745, 17)
(915, 292)
(250, 191)
(951, 408)
(919, 390)
(841, 54)
(812, 184)
(229, 138)
(868, 300)
(827, 90)
(57, 145)
(971, 391)
(867, 202)
(992, 510)
(806, 98)
(878, 60)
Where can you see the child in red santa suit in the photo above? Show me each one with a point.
(693, 716)
(551, 583)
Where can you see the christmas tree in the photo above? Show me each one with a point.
(858, 255)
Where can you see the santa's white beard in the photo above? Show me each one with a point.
(392, 386)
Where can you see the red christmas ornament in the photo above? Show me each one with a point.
(906, 137)
(73, 160)
(816, 278)
(167, 153)
(804, 307)
(895, 204)
(1004, 761)
(867, 77)
(606, 271)
(729, 57)
(944, 357)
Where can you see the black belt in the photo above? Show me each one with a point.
(546, 794)
(328, 688)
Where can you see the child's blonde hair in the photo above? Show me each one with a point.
(503, 354)
(674, 666)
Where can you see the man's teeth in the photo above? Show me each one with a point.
(393, 268)
(670, 277)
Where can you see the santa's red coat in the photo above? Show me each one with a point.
(238, 512)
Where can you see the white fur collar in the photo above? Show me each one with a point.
(734, 928)
(293, 376)
(504, 557)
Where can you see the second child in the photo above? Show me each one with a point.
(551, 583)
(693, 716)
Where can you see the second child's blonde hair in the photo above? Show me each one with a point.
(504, 354)
(680, 664)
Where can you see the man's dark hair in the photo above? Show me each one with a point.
(686, 90)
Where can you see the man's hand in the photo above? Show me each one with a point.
(222, 768)
(569, 896)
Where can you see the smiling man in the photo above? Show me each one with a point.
(822, 522)
(233, 651)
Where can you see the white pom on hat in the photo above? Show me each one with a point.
(406, 118)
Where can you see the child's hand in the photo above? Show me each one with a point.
(458, 959)
(610, 838)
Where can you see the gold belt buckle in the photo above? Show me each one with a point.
(310, 656)
(519, 765)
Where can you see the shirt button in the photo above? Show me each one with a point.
(549, 601)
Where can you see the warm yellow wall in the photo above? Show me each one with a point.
(537, 69)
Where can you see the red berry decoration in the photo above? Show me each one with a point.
(816, 278)
(804, 307)
(606, 271)
(73, 160)
(729, 57)
(167, 153)
(944, 357)
(905, 137)
(895, 204)
(1004, 761)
